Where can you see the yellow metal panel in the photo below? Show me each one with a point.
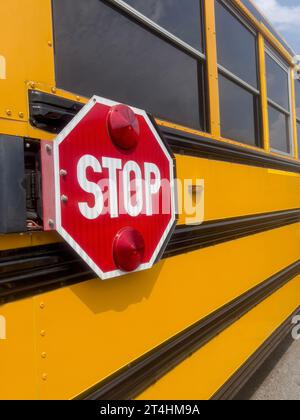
(202, 374)
(95, 328)
(44, 238)
(26, 45)
(15, 241)
(23, 240)
(18, 352)
(235, 190)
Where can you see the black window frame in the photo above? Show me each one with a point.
(256, 92)
(271, 103)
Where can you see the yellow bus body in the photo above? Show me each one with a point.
(71, 340)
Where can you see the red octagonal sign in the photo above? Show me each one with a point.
(114, 188)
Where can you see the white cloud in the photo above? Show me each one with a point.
(285, 18)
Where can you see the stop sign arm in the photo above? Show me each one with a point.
(112, 142)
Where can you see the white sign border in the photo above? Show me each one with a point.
(65, 235)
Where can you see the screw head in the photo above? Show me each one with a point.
(44, 355)
(63, 172)
(51, 223)
(64, 199)
(43, 333)
(21, 114)
(8, 112)
(42, 305)
(44, 376)
(48, 149)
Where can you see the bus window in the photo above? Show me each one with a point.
(165, 13)
(297, 94)
(238, 77)
(278, 103)
(101, 48)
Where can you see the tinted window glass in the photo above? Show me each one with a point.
(279, 130)
(238, 113)
(297, 92)
(99, 50)
(236, 46)
(278, 83)
(180, 17)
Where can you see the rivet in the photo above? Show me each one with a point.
(32, 85)
(43, 333)
(21, 114)
(49, 43)
(8, 112)
(51, 223)
(64, 198)
(48, 149)
(44, 355)
(63, 172)
(44, 376)
(53, 90)
(42, 305)
(78, 98)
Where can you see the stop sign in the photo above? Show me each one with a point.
(114, 188)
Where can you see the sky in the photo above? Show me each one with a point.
(285, 17)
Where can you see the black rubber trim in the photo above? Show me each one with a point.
(37, 269)
(192, 145)
(52, 113)
(233, 386)
(190, 238)
(131, 381)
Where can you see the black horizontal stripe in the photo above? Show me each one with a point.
(139, 375)
(37, 269)
(190, 238)
(193, 145)
(52, 113)
(233, 386)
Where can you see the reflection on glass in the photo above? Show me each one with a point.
(278, 83)
(101, 51)
(237, 50)
(279, 130)
(180, 17)
(238, 113)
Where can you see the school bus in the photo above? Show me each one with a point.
(223, 87)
